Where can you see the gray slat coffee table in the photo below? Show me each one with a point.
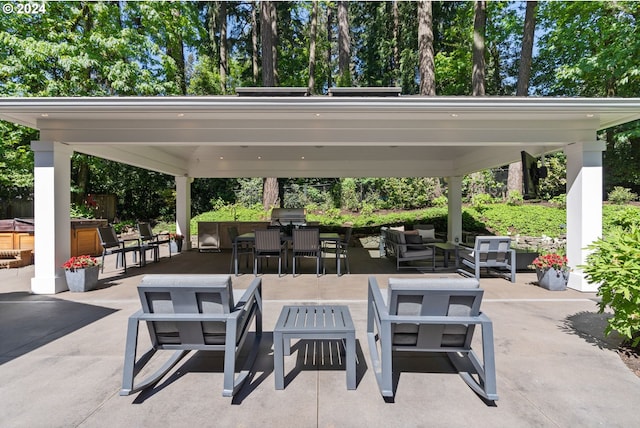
(313, 322)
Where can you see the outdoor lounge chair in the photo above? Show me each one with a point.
(430, 315)
(112, 245)
(193, 312)
(490, 252)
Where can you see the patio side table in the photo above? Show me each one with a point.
(314, 322)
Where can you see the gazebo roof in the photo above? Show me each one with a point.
(317, 136)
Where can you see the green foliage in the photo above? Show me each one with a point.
(555, 183)
(481, 201)
(81, 211)
(16, 161)
(124, 226)
(530, 220)
(350, 199)
(614, 264)
(559, 201)
(249, 192)
(440, 201)
(614, 217)
(621, 196)
(514, 198)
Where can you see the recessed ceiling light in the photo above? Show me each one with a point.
(590, 115)
(44, 115)
(180, 114)
(221, 157)
(259, 157)
(454, 115)
(317, 114)
(302, 157)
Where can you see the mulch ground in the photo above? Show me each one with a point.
(631, 357)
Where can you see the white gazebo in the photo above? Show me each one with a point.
(307, 136)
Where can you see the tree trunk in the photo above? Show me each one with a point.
(514, 179)
(274, 40)
(479, 27)
(344, 45)
(267, 24)
(254, 41)
(212, 27)
(425, 48)
(270, 193)
(329, 42)
(312, 47)
(223, 47)
(526, 52)
(268, 78)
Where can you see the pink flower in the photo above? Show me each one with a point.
(80, 262)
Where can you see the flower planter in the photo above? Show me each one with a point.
(79, 280)
(552, 279)
(176, 245)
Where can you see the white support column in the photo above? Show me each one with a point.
(454, 222)
(52, 225)
(584, 205)
(183, 209)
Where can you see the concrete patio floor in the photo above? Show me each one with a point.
(61, 360)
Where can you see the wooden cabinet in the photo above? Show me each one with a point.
(85, 238)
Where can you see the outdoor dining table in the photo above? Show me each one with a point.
(251, 237)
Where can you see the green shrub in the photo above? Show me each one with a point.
(481, 200)
(617, 217)
(530, 220)
(621, 196)
(615, 265)
(440, 201)
(559, 201)
(515, 198)
(81, 211)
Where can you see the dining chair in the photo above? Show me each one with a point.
(339, 250)
(238, 249)
(268, 244)
(306, 244)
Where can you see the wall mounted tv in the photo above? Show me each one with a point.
(531, 175)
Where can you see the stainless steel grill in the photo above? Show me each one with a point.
(288, 216)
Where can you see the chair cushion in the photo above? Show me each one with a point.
(427, 233)
(414, 239)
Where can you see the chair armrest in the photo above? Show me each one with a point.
(184, 317)
(123, 242)
(251, 294)
(437, 319)
(376, 298)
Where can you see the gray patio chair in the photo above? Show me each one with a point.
(111, 244)
(268, 244)
(339, 250)
(490, 252)
(153, 240)
(306, 244)
(238, 250)
(430, 315)
(194, 313)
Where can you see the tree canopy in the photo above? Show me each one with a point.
(108, 48)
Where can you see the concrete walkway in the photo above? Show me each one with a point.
(61, 360)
